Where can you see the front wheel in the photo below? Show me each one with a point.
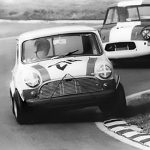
(19, 109)
(117, 105)
(121, 104)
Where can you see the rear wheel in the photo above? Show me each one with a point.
(19, 109)
(116, 106)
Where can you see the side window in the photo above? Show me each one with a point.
(144, 12)
(112, 16)
(133, 14)
(123, 14)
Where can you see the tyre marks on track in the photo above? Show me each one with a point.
(128, 131)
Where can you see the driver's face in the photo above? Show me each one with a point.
(42, 54)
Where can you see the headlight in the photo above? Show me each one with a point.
(104, 72)
(32, 79)
(146, 34)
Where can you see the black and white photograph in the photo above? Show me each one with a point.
(75, 75)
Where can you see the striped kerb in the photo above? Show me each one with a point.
(44, 73)
(90, 66)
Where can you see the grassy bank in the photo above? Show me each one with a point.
(138, 112)
(55, 10)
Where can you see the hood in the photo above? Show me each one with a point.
(70, 66)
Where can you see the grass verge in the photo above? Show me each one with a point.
(55, 10)
(138, 112)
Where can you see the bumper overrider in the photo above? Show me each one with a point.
(80, 92)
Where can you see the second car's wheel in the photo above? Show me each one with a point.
(117, 105)
(19, 109)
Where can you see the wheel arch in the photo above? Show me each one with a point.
(12, 89)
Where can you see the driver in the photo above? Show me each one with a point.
(42, 48)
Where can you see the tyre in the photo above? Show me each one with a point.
(117, 105)
(19, 109)
(120, 104)
(11, 97)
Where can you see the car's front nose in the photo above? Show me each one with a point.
(80, 92)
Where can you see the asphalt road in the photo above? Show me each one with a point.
(70, 130)
(135, 80)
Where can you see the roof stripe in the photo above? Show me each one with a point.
(129, 3)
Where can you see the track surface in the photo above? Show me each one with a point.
(71, 130)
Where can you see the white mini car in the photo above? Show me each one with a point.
(63, 67)
(126, 31)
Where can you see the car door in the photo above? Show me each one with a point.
(110, 22)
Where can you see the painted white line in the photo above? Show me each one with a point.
(116, 129)
(140, 138)
(135, 128)
(120, 138)
(115, 123)
(112, 120)
(129, 134)
(147, 143)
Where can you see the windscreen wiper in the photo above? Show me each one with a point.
(62, 56)
(56, 57)
(70, 53)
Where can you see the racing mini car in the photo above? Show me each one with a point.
(126, 31)
(63, 67)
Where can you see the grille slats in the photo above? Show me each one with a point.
(70, 87)
(120, 46)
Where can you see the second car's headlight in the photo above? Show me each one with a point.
(32, 79)
(146, 34)
(104, 72)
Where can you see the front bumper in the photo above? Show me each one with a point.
(80, 92)
(80, 100)
(123, 51)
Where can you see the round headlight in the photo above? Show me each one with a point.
(32, 80)
(146, 34)
(105, 72)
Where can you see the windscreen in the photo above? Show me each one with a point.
(128, 14)
(60, 45)
(136, 13)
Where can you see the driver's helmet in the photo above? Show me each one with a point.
(42, 45)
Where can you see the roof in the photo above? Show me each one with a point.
(132, 3)
(54, 31)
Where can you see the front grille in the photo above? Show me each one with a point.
(120, 46)
(70, 86)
